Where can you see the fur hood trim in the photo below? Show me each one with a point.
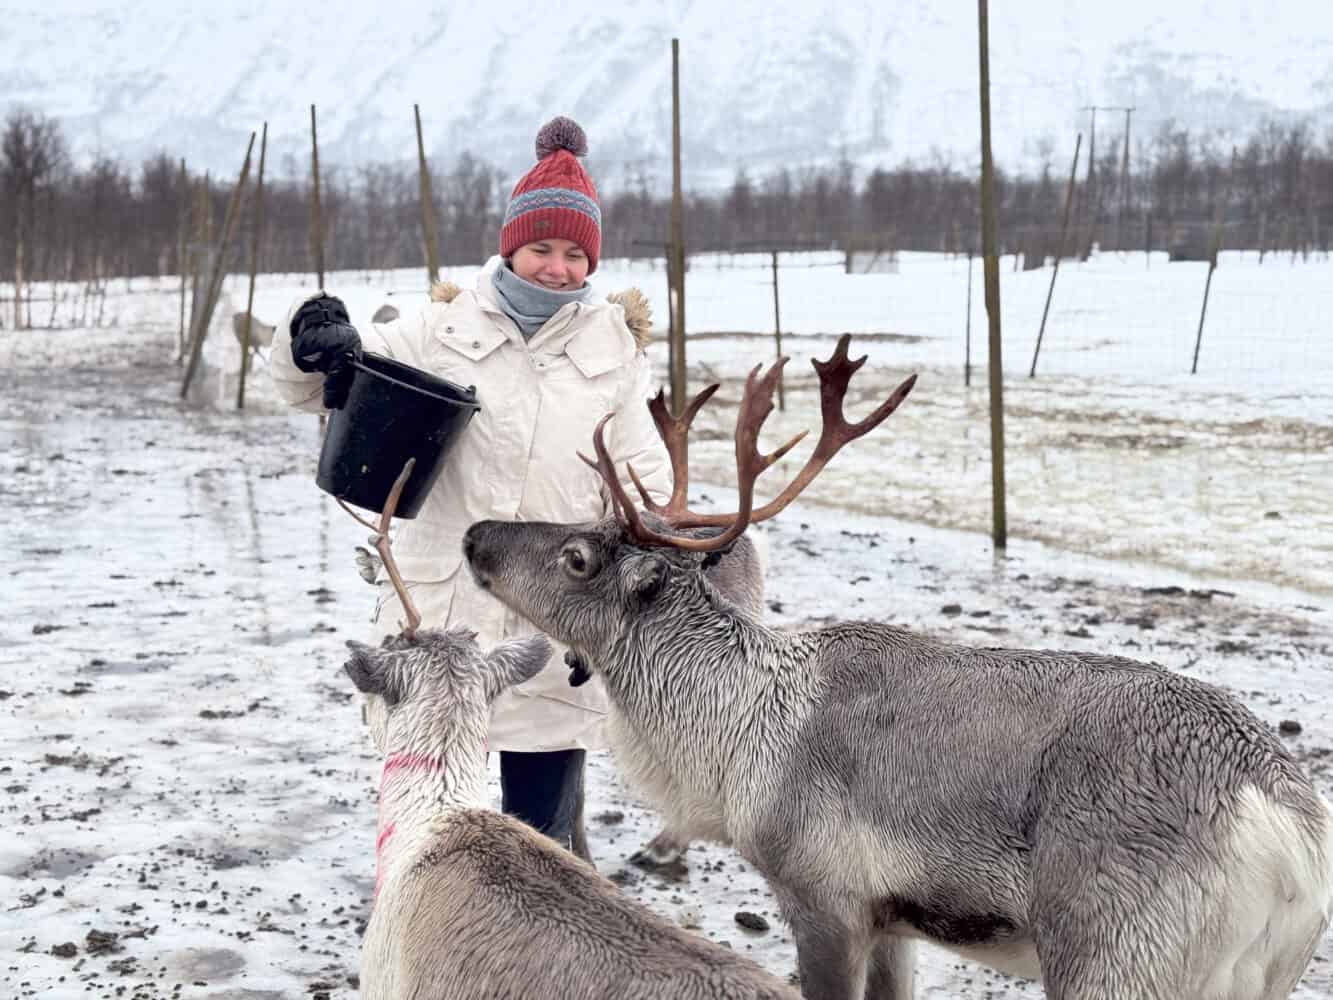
(638, 312)
(443, 291)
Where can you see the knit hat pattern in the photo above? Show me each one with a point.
(556, 199)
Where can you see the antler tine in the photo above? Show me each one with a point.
(755, 406)
(381, 542)
(674, 431)
(834, 376)
(625, 510)
(607, 470)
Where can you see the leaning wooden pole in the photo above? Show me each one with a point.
(202, 240)
(317, 225)
(999, 529)
(427, 207)
(677, 293)
(1059, 253)
(200, 328)
(1214, 247)
(182, 230)
(254, 267)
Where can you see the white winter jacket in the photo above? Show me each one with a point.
(540, 400)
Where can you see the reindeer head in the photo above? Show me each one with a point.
(598, 586)
(433, 690)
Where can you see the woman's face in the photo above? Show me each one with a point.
(560, 265)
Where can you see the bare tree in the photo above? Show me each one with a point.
(31, 150)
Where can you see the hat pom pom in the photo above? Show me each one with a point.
(561, 133)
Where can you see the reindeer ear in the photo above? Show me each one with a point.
(644, 578)
(364, 668)
(515, 661)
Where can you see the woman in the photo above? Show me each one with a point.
(549, 357)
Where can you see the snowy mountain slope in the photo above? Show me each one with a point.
(763, 83)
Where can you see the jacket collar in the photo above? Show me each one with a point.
(555, 327)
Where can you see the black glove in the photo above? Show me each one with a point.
(324, 340)
(578, 673)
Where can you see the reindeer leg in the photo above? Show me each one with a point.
(892, 971)
(831, 959)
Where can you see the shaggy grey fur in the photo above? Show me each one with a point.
(1110, 827)
(475, 904)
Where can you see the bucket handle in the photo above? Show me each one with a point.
(404, 385)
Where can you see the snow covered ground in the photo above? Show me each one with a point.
(188, 792)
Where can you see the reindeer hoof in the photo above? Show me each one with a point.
(663, 855)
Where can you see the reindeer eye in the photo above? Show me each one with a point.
(579, 559)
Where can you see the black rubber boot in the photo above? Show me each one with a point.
(545, 791)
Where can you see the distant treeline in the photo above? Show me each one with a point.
(68, 222)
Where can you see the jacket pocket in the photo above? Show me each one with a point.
(598, 350)
(472, 341)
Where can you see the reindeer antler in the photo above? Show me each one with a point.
(756, 404)
(674, 431)
(381, 542)
(834, 376)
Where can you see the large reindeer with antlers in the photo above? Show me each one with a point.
(1107, 826)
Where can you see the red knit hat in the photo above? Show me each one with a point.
(556, 199)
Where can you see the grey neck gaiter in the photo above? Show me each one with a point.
(530, 305)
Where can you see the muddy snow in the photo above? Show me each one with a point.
(186, 787)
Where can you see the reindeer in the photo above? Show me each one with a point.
(1104, 825)
(471, 903)
(261, 334)
(739, 578)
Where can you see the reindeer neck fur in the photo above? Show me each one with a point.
(691, 681)
(424, 779)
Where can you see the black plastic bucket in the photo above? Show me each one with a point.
(393, 412)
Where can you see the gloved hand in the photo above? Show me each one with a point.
(324, 340)
(578, 673)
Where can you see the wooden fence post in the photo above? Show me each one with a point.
(254, 266)
(677, 242)
(182, 229)
(1059, 253)
(777, 332)
(967, 333)
(202, 315)
(427, 207)
(999, 527)
(318, 222)
(1214, 246)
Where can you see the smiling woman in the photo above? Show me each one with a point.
(560, 265)
(549, 357)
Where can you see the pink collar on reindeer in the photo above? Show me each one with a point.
(392, 765)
